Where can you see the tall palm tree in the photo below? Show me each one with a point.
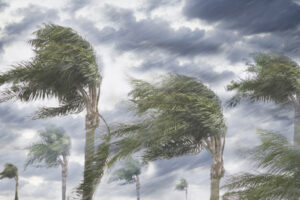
(51, 151)
(11, 171)
(64, 67)
(279, 162)
(274, 77)
(177, 116)
(129, 173)
(183, 186)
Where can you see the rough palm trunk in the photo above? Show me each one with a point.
(64, 177)
(17, 185)
(297, 125)
(138, 186)
(92, 122)
(216, 144)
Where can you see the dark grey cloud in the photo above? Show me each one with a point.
(32, 17)
(74, 5)
(3, 5)
(254, 16)
(151, 5)
(202, 71)
(154, 34)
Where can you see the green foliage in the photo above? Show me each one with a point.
(63, 66)
(280, 162)
(10, 171)
(48, 152)
(174, 117)
(128, 172)
(273, 77)
(182, 185)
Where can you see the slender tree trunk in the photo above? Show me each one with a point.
(92, 122)
(138, 186)
(64, 175)
(186, 193)
(16, 189)
(297, 125)
(216, 147)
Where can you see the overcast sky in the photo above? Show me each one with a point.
(211, 40)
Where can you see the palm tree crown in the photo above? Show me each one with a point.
(64, 67)
(279, 179)
(50, 150)
(11, 171)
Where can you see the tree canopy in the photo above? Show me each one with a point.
(49, 151)
(279, 163)
(272, 77)
(128, 172)
(63, 66)
(175, 115)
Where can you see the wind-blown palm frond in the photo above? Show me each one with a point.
(280, 162)
(10, 171)
(273, 77)
(128, 172)
(182, 185)
(49, 151)
(178, 114)
(63, 67)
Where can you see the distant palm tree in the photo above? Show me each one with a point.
(11, 171)
(51, 151)
(65, 68)
(183, 186)
(273, 77)
(280, 176)
(129, 173)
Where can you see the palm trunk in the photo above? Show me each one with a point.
(92, 122)
(186, 193)
(17, 185)
(64, 177)
(297, 126)
(216, 144)
(138, 186)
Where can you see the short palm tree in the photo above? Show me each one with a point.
(11, 171)
(183, 186)
(177, 116)
(274, 77)
(64, 67)
(129, 173)
(279, 179)
(51, 151)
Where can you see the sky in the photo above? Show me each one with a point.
(211, 40)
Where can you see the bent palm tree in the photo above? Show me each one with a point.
(64, 67)
(11, 171)
(53, 150)
(275, 78)
(280, 162)
(129, 174)
(183, 186)
(178, 116)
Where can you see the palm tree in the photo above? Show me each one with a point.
(129, 174)
(177, 116)
(11, 171)
(183, 186)
(274, 77)
(64, 67)
(51, 151)
(279, 162)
